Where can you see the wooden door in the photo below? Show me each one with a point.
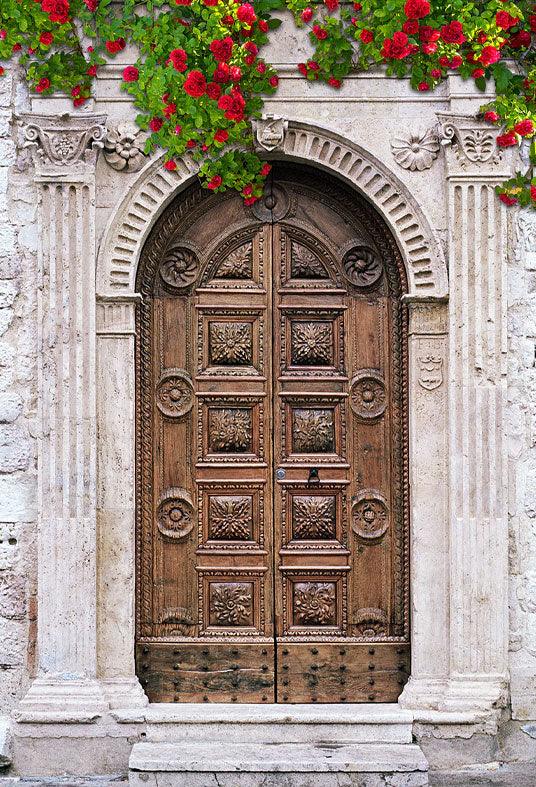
(272, 450)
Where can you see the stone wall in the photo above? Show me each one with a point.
(522, 444)
(18, 480)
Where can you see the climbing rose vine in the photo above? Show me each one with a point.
(197, 75)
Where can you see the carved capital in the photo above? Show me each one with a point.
(269, 133)
(63, 144)
(471, 148)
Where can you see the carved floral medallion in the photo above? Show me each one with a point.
(367, 395)
(175, 513)
(305, 264)
(230, 343)
(231, 604)
(238, 264)
(313, 517)
(370, 622)
(313, 431)
(231, 518)
(230, 430)
(179, 267)
(315, 604)
(124, 147)
(311, 343)
(362, 266)
(416, 150)
(370, 518)
(175, 393)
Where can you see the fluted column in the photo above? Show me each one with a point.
(477, 223)
(64, 151)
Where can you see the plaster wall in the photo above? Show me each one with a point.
(371, 111)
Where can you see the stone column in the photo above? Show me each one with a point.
(477, 224)
(428, 462)
(64, 151)
(116, 417)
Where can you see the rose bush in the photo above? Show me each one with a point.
(198, 76)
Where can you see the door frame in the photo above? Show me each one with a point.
(427, 282)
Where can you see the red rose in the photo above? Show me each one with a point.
(221, 74)
(227, 20)
(436, 73)
(2, 71)
(507, 140)
(210, 3)
(302, 68)
(520, 39)
(170, 165)
(261, 67)
(222, 49)
(46, 38)
(453, 33)
(504, 20)
(507, 199)
(265, 170)
(178, 58)
(42, 85)
(397, 47)
(57, 10)
(92, 71)
(116, 46)
(183, 2)
(532, 22)
(263, 25)
(78, 102)
(156, 124)
(429, 49)
(533, 192)
(477, 73)
(92, 5)
(131, 74)
(273, 81)
(416, 9)
(170, 110)
(250, 47)
(3, 35)
(235, 72)
(215, 182)
(366, 36)
(491, 117)
(177, 130)
(320, 32)
(246, 14)
(456, 61)
(233, 105)
(191, 143)
(331, 5)
(213, 91)
(336, 83)
(307, 14)
(312, 65)
(221, 135)
(428, 34)
(195, 84)
(423, 87)
(524, 128)
(250, 200)
(410, 26)
(489, 55)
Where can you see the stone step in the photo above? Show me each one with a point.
(218, 764)
(190, 723)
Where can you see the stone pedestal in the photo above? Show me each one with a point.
(64, 151)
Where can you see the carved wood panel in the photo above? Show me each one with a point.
(272, 450)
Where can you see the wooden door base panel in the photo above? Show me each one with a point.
(206, 671)
(342, 672)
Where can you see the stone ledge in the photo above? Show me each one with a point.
(277, 758)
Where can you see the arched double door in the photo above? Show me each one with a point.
(272, 455)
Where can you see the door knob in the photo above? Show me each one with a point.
(314, 477)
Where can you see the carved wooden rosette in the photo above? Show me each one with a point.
(271, 397)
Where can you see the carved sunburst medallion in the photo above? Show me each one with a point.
(230, 343)
(370, 516)
(315, 604)
(313, 431)
(362, 266)
(231, 604)
(367, 395)
(231, 518)
(175, 513)
(311, 343)
(370, 622)
(179, 268)
(230, 430)
(313, 517)
(175, 393)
